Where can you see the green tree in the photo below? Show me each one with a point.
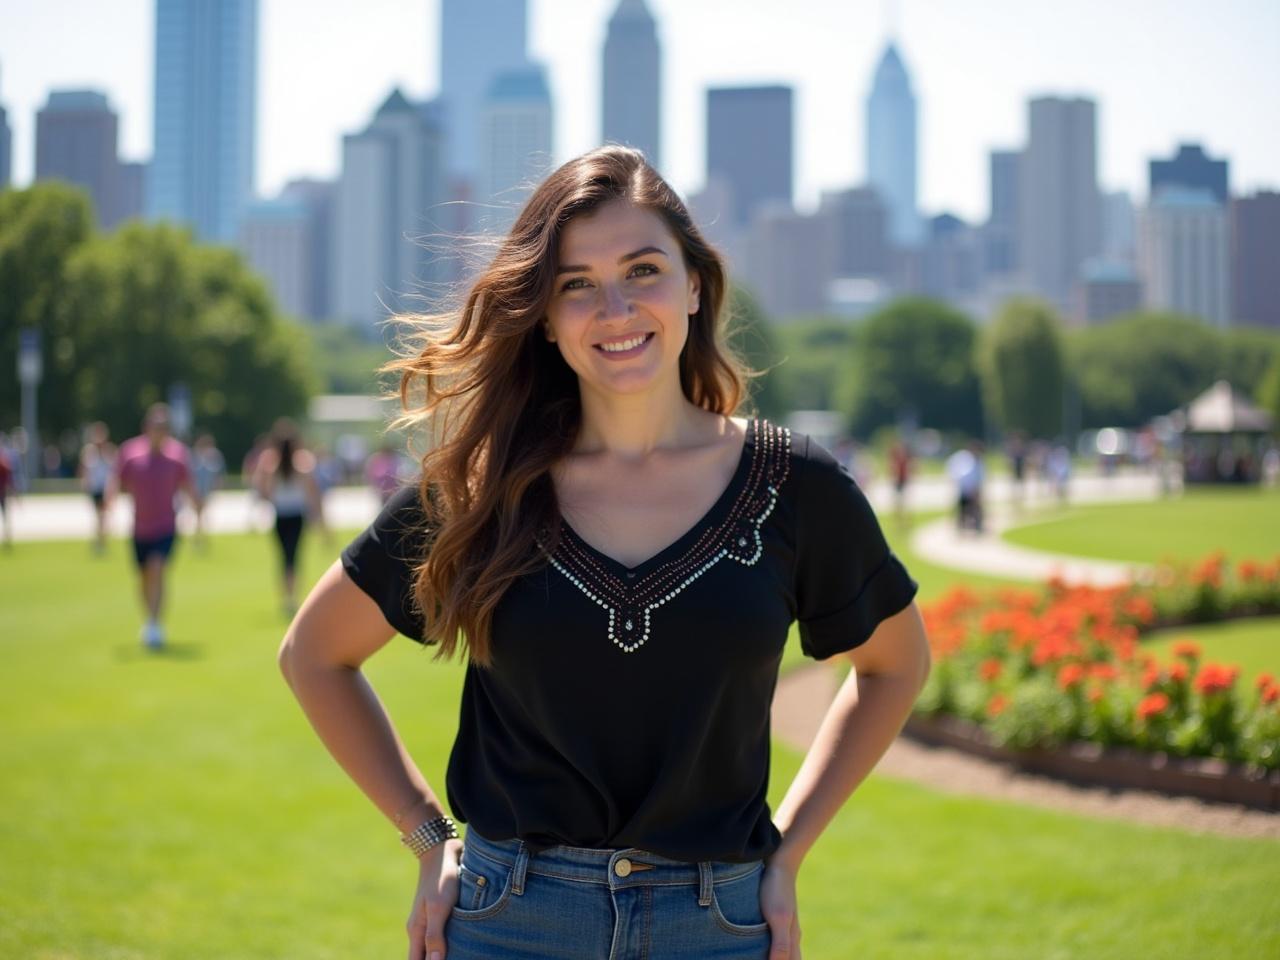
(1247, 354)
(1268, 393)
(751, 336)
(1021, 365)
(1141, 366)
(40, 228)
(816, 357)
(914, 359)
(151, 309)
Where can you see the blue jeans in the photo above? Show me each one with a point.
(625, 904)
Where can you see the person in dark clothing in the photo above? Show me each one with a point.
(619, 555)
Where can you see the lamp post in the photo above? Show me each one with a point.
(30, 372)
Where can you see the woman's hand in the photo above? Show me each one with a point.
(436, 896)
(778, 902)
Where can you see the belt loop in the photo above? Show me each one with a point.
(705, 878)
(517, 872)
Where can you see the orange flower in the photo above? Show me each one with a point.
(1071, 676)
(1215, 678)
(997, 704)
(1187, 650)
(1264, 680)
(1103, 671)
(990, 669)
(1270, 694)
(1152, 705)
(1095, 694)
(1178, 673)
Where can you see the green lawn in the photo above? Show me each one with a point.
(179, 806)
(1243, 522)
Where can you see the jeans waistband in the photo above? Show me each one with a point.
(613, 867)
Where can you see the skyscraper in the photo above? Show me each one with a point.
(392, 180)
(515, 129)
(632, 101)
(859, 232)
(479, 39)
(1000, 234)
(6, 148)
(1182, 254)
(891, 146)
(1058, 200)
(1191, 169)
(202, 171)
(76, 137)
(1255, 259)
(749, 146)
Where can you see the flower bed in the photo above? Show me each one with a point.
(1035, 670)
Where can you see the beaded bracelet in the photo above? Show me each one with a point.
(428, 834)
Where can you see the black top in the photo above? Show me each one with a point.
(629, 707)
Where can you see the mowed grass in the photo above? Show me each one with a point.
(1243, 522)
(180, 806)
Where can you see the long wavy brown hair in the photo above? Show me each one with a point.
(498, 406)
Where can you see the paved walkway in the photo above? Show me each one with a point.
(942, 543)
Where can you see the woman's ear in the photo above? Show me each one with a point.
(547, 331)
(695, 293)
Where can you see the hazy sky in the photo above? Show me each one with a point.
(1163, 71)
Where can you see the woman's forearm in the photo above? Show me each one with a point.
(350, 720)
(867, 714)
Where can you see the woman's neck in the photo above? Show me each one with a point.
(632, 427)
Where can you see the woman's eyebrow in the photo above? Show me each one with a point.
(643, 251)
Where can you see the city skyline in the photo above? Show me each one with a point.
(969, 104)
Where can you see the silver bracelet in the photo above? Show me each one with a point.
(428, 834)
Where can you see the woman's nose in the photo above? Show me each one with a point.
(616, 303)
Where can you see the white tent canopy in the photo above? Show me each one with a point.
(1221, 410)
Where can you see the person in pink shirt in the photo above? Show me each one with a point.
(152, 468)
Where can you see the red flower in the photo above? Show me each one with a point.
(990, 669)
(996, 705)
(1265, 680)
(1214, 678)
(1095, 694)
(1270, 694)
(1152, 705)
(1187, 650)
(1178, 672)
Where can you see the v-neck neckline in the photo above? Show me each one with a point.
(681, 543)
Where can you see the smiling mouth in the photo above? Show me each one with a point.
(633, 347)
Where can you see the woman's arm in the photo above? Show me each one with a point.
(337, 628)
(870, 709)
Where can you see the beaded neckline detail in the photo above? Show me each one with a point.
(630, 598)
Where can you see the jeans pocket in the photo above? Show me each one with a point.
(484, 885)
(735, 904)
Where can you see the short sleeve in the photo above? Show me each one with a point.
(381, 560)
(847, 580)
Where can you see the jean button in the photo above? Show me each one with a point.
(623, 867)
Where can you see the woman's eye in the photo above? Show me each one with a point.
(647, 268)
(572, 284)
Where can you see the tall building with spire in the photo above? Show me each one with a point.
(206, 90)
(892, 148)
(479, 39)
(631, 106)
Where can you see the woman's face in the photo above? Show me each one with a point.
(620, 307)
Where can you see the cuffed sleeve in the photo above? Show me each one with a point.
(382, 559)
(847, 580)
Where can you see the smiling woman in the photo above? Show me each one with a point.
(621, 558)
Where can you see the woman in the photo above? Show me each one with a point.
(97, 461)
(284, 476)
(623, 559)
